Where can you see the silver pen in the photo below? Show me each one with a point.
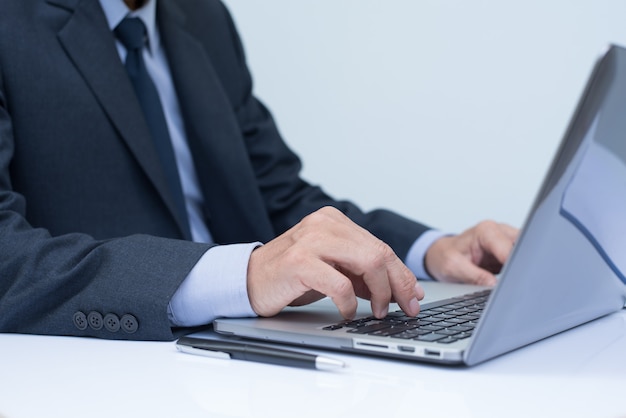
(249, 352)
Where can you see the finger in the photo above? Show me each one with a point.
(281, 273)
(332, 283)
(498, 242)
(398, 283)
(380, 297)
(510, 231)
(467, 272)
(360, 256)
(407, 292)
(385, 277)
(309, 297)
(377, 281)
(393, 280)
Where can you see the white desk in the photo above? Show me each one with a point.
(581, 373)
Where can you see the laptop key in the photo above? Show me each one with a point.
(448, 331)
(447, 340)
(443, 316)
(392, 330)
(369, 328)
(461, 328)
(411, 334)
(431, 327)
(430, 337)
(444, 308)
(457, 320)
(428, 320)
(428, 312)
(443, 324)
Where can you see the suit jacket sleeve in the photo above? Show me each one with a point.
(52, 284)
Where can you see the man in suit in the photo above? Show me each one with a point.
(96, 239)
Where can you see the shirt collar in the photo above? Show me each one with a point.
(115, 11)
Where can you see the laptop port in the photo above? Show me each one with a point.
(406, 349)
(432, 353)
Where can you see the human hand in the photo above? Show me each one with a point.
(328, 254)
(474, 256)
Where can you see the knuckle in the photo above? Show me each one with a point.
(315, 220)
(328, 211)
(407, 284)
(331, 212)
(486, 226)
(310, 228)
(295, 256)
(381, 257)
(325, 217)
(383, 253)
(323, 214)
(324, 223)
(343, 287)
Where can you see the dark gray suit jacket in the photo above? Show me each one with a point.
(89, 243)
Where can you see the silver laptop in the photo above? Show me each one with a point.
(568, 266)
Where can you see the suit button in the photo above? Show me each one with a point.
(129, 324)
(112, 322)
(95, 320)
(80, 321)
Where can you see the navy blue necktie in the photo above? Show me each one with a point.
(132, 34)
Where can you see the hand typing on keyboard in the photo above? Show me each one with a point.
(475, 256)
(327, 254)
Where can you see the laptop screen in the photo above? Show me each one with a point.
(595, 198)
(568, 265)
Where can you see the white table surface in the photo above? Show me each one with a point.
(580, 373)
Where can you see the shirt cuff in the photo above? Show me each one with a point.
(417, 253)
(215, 287)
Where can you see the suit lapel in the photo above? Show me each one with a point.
(90, 45)
(237, 213)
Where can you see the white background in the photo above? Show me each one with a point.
(448, 112)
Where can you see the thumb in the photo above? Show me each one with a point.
(459, 269)
(472, 274)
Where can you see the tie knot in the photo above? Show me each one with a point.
(132, 33)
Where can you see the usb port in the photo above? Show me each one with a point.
(432, 353)
(406, 349)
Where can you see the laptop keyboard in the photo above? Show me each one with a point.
(445, 322)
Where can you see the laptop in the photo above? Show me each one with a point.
(567, 268)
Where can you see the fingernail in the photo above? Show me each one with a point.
(414, 305)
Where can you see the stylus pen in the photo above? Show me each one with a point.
(261, 354)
